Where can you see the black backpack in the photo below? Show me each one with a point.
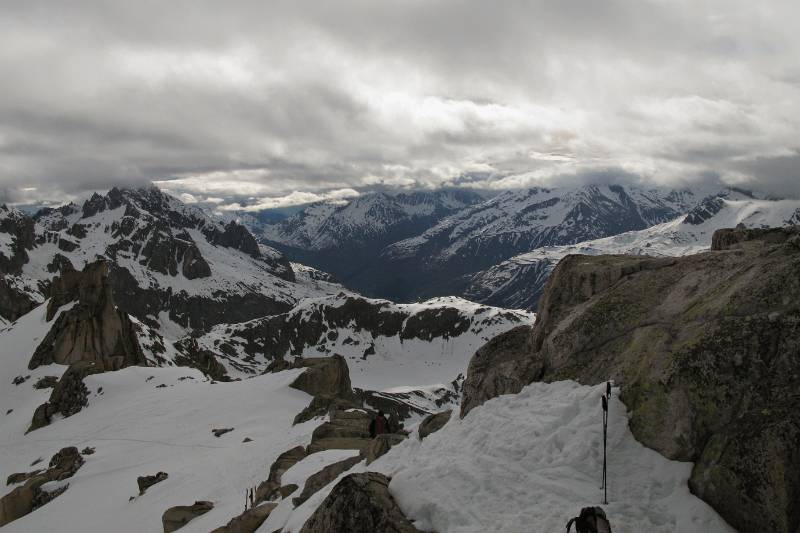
(591, 520)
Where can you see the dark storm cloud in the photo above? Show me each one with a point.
(260, 100)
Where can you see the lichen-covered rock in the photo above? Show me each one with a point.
(176, 517)
(433, 423)
(706, 349)
(359, 503)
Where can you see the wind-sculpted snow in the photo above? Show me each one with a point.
(529, 462)
(518, 282)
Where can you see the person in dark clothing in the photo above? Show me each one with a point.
(379, 425)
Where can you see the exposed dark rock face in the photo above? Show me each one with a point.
(191, 355)
(30, 496)
(325, 476)
(46, 382)
(433, 423)
(69, 395)
(176, 517)
(145, 482)
(249, 521)
(234, 236)
(706, 349)
(359, 503)
(94, 329)
(23, 238)
(13, 302)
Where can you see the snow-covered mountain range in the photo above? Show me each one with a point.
(367, 220)
(474, 235)
(518, 282)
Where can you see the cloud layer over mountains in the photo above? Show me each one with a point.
(254, 101)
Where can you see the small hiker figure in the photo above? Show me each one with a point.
(378, 426)
(591, 520)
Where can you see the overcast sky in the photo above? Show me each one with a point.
(284, 102)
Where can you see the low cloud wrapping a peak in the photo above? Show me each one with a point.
(283, 102)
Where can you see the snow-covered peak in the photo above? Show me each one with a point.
(371, 216)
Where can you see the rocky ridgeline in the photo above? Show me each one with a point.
(706, 349)
(352, 326)
(155, 247)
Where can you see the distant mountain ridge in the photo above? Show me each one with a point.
(518, 281)
(344, 237)
(350, 239)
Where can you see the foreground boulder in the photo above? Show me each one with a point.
(359, 503)
(249, 521)
(325, 476)
(176, 517)
(706, 349)
(30, 496)
(433, 423)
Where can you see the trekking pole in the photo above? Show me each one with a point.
(605, 439)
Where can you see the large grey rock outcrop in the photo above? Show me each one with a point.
(359, 503)
(94, 329)
(706, 349)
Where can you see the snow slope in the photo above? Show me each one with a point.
(518, 281)
(139, 428)
(529, 462)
